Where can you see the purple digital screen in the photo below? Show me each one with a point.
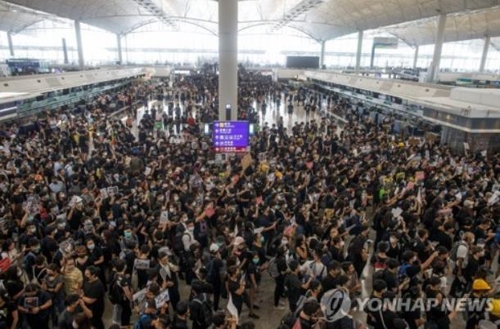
(230, 136)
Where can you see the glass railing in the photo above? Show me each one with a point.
(51, 103)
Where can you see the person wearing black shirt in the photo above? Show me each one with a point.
(9, 316)
(35, 304)
(181, 316)
(280, 279)
(49, 244)
(196, 306)
(97, 258)
(470, 271)
(412, 266)
(330, 281)
(74, 305)
(389, 318)
(412, 314)
(423, 248)
(337, 249)
(444, 236)
(357, 252)
(75, 216)
(309, 316)
(477, 303)
(394, 250)
(93, 296)
(253, 276)
(120, 293)
(12, 282)
(375, 302)
(437, 316)
(294, 285)
(390, 276)
(236, 287)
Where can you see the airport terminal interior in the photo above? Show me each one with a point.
(269, 164)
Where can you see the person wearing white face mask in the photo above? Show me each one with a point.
(188, 236)
(97, 258)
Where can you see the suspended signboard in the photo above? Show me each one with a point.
(231, 136)
(387, 43)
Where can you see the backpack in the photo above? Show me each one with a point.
(453, 253)
(379, 265)
(209, 266)
(180, 231)
(273, 268)
(205, 313)
(29, 262)
(139, 323)
(454, 250)
(318, 276)
(402, 270)
(379, 275)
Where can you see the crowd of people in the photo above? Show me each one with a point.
(98, 211)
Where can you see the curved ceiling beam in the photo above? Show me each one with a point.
(198, 25)
(138, 26)
(273, 22)
(25, 26)
(155, 20)
(408, 43)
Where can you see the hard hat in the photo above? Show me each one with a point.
(480, 284)
(495, 307)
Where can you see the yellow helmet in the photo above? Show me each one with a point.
(480, 284)
(495, 307)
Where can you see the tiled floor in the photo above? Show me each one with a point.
(269, 317)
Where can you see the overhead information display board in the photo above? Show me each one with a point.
(231, 136)
(387, 43)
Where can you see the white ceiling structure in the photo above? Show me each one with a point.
(320, 19)
(459, 27)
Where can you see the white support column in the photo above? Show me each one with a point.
(359, 52)
(65, 51)
(228, 58)
(438, 48)
(11, 44)
(119, 48)
(79, 45)
(485, 53)
(415, 59)
(322, 55)
(126, 50)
